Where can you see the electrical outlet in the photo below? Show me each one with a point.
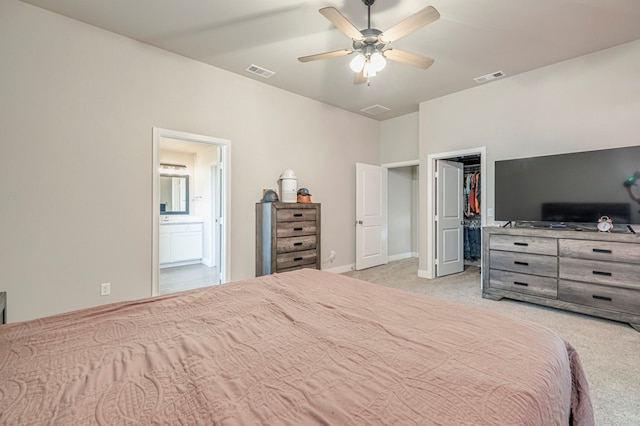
(105, 289)
(332, 255)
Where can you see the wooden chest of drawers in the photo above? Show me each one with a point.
(287, 237)
(587, 272)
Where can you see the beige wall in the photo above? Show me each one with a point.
(78, 108)
(589, 102)
(399, 139)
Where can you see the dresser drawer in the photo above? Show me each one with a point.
(524, 283)
(600, 250)
(524, 244)
(294, 229)
(294, 259)
(600, 296)
(294, 268)
(599, 272)
(525, 263)
(285, 245)
(292, 215)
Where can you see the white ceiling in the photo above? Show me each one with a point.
(472, 38)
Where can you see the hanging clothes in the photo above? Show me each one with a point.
(472, 240)
(472, 228)
(471, 193)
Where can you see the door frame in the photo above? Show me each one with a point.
(216, 221)
(225, 197)
(398, 165)
(431, 200)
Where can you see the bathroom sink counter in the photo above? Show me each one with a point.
(181, 220)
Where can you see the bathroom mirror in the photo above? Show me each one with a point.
(174, 194)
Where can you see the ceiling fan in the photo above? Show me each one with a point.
(370, 43)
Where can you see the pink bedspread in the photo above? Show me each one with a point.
(305, 347)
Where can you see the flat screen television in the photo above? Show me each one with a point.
(574, 188)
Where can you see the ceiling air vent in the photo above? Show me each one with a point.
(375, 109)
(262, 72)
(489, 77)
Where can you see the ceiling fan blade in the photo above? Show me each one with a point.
(410, 24)
(408, 58)
(334, 54)
(342, 23)
(360, 78)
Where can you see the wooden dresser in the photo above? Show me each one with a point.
(587, 272)
(287, 237)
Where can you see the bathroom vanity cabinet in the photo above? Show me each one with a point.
(180, 244)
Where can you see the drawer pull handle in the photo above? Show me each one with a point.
(297, 244)
(606, 274)
(297, 259)
(521, 244)
(521, 283)
(595, 250)
(595, 296)
(521, 263)
(297, 215)
(297, 229)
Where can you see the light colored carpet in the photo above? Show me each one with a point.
(609, 350)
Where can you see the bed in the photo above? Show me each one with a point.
(302, 347)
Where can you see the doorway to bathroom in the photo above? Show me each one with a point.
(190, 211)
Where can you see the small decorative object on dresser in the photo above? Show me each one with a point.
(287, 237)
(605, 224)
(288, 186)
(592, 273)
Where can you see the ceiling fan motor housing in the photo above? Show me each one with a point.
(370, 41)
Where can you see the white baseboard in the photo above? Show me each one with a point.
(185, 263)
(208, 262)
(402, 256)
(423, 274)
(340, 269)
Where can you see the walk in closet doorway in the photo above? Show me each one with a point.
(455, 210)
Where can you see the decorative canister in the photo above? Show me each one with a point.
(288, 187)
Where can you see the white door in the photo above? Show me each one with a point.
(371, 216)
(449, 218)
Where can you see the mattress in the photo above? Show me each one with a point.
(303, 347)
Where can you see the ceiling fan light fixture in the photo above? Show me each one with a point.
(357, 63)
(378, 61)
(369, 69)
